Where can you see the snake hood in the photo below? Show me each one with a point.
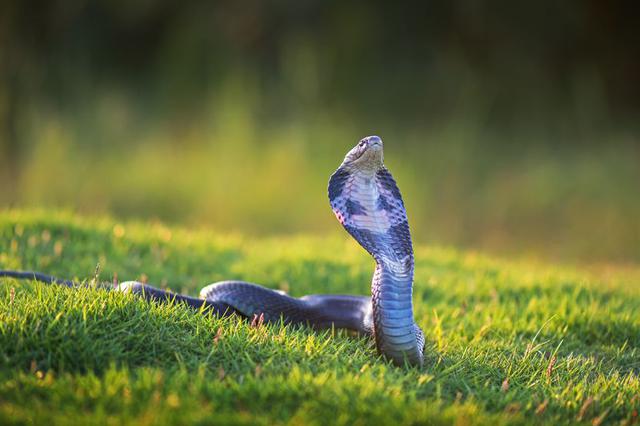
(367, 202)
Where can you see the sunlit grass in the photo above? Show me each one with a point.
(508, 341)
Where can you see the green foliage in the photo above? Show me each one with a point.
(508, 342)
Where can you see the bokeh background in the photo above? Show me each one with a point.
(512, 127)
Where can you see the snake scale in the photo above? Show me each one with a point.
(367, 202)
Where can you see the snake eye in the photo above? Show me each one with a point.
(361, 144)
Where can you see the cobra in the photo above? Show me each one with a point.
(367, 202)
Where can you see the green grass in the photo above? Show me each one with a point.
(508, 341)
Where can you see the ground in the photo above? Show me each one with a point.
(508, 341)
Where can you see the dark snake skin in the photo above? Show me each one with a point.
(367, 202)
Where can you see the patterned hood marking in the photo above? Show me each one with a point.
(370, 207)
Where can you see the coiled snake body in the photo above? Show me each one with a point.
(368, 204)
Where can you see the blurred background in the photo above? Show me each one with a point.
(511, 127)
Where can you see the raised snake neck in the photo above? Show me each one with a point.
(367, 202)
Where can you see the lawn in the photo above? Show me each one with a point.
(508, 341)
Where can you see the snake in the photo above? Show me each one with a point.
(367, 202)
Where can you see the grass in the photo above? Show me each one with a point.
(508, 341)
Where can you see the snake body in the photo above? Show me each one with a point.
(368, 204)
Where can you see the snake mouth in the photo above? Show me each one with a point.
(374, 142)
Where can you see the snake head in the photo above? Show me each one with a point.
(366, 155)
